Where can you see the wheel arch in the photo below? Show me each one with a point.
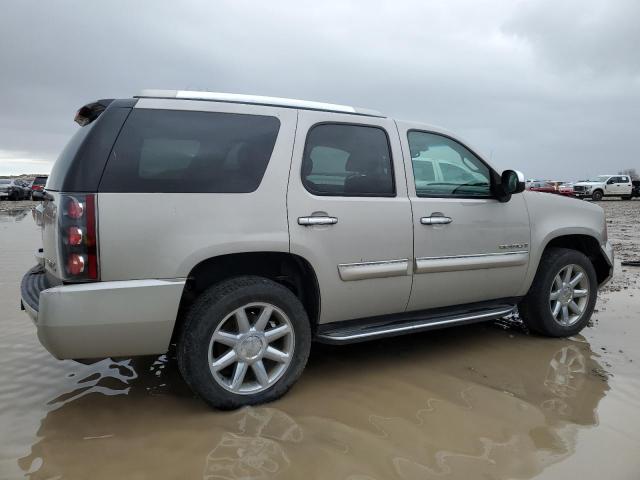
(290, 270)
(586, 244)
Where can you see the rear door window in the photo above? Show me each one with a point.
(347, 160)
(187, 151)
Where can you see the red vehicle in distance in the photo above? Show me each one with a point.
(551, 187)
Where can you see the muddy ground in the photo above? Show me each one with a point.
(477, 402)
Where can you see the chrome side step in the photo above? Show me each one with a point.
(360, 331)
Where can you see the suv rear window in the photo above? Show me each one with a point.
(185, 151)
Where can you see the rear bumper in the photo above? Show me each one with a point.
(102, 319)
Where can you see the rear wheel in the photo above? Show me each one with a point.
(562, 297)
(627, 197)
(245, 341)
(597, 195)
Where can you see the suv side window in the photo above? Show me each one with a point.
(462, 173)
(187, 151)
(347, 160)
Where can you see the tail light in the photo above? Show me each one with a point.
(78, 239)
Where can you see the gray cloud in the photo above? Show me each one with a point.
(550, 89)
(600, 38)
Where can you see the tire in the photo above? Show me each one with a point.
(627, 197)
(536, 308)
(216, 311)
(597, 195)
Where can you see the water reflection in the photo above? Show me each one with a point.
(258, 450)
(14, 214)
(465, 403)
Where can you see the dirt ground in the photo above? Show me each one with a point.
(486, 401)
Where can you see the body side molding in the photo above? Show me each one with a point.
(378, 269)
(470, 262)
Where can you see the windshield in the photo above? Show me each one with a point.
(599, 178)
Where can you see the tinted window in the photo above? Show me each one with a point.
(461, 173)
(347, 160)
(66, 158)
(40, 180)
(182, 151)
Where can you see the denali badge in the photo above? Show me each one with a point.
(513, 245)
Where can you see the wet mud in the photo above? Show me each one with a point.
(485, 401)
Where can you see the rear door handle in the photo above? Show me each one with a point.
(436, 220)
(311, 221)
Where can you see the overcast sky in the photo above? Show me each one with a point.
(545, 86)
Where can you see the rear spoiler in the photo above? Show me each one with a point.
(91, 111)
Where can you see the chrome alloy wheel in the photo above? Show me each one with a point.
(569, 295)
(251, 348)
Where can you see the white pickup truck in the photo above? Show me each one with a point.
(605, 186)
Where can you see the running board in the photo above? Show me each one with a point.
(390, 326)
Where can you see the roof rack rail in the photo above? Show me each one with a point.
(257, 100)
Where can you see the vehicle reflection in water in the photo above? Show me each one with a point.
(473, 402)
(15, 214)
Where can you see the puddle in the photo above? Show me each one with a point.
(483, 401)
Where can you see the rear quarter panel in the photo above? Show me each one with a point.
(553, 216)
(164, 235)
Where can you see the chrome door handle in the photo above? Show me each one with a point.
(310, 221)
(436, 220)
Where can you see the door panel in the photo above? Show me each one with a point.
(466, 249)
(481, 255)
(363, 258)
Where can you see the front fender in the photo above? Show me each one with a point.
(553, 216)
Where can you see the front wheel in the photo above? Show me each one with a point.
(245, 341)
(563, 295)
(597, 195)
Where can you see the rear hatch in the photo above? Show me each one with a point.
(68, 215)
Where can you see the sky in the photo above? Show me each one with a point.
(549, 87)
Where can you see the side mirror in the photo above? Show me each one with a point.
(511, 181)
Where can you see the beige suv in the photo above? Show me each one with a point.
(240, 229)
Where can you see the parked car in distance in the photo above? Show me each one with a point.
(550, 187)
(566, 189)
(14, 189)
(37, 187)
(22, 190)
(541, 186)
(605, 186)
(5, 183)
(240, 229)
